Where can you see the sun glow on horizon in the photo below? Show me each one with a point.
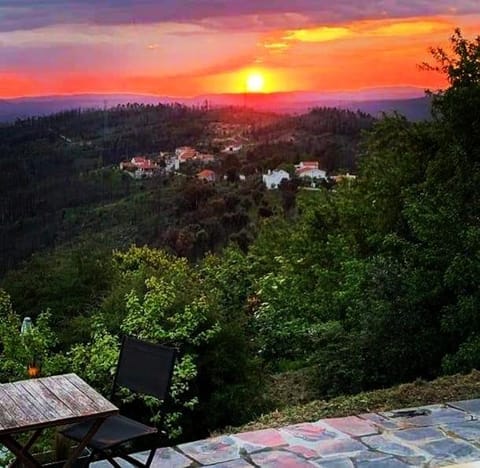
(255, 82)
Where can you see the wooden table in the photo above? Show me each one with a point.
(33, 405)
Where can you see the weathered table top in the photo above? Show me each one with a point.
(49, 401)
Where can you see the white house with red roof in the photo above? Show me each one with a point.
(139, 167)
(307, 164)
(143, 163)
(185, 153)
(309, 170)
(311, 173)
(207, 175)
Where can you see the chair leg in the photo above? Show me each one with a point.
(113, 462)
(103, 455)
(150, 458)
(91, 457)
(137, 463)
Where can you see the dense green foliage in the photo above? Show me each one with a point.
(376, 282)
(370, 283)
(164, 299)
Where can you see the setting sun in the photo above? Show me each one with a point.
(255, 82)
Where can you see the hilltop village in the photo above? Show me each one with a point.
(227, 154)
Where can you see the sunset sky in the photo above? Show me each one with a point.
(190, 47)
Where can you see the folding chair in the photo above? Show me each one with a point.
(143, 368)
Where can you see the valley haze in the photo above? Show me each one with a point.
(408, 101)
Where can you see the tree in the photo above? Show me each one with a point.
(385, 269)
(288, 191)
(447, 222)
(462, 68)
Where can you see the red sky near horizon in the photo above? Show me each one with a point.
(193, 47)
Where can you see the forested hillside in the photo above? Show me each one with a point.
(59, 176)
(363, 285)
(51, 167)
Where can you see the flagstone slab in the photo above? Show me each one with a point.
(336, 463)
(434, 415)
(419, 435)
(382, 422)
(370, 456)
(415, 461)
(310, 433)
(389, 445)
(451, 450)
(353, 426)
(305, 452)
(469, 430)
(280, 459)
(338, 447)
(258, 440)
(469, 406)
(376, 459)
(385, 463)
(210, 451)
(171, 458)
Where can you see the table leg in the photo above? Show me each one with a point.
(84, 442)
(32, 440)
(29, 444)
(20, 452)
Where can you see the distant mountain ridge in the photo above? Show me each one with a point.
(408, 101)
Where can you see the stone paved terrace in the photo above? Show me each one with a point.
(430, 436)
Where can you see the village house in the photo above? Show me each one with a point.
(310, 170)
(168, 161)
(139, 167)
(172, 164)
(185, 153)
(311, 173)
(207, 175)
(127, 166)
(307, 164)
(273, 178)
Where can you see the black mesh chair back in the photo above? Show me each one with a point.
(145, 368)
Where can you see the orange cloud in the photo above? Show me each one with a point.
(361, 29)
(369, 28)
(410, 27)
(361, 54)
(321, 34)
